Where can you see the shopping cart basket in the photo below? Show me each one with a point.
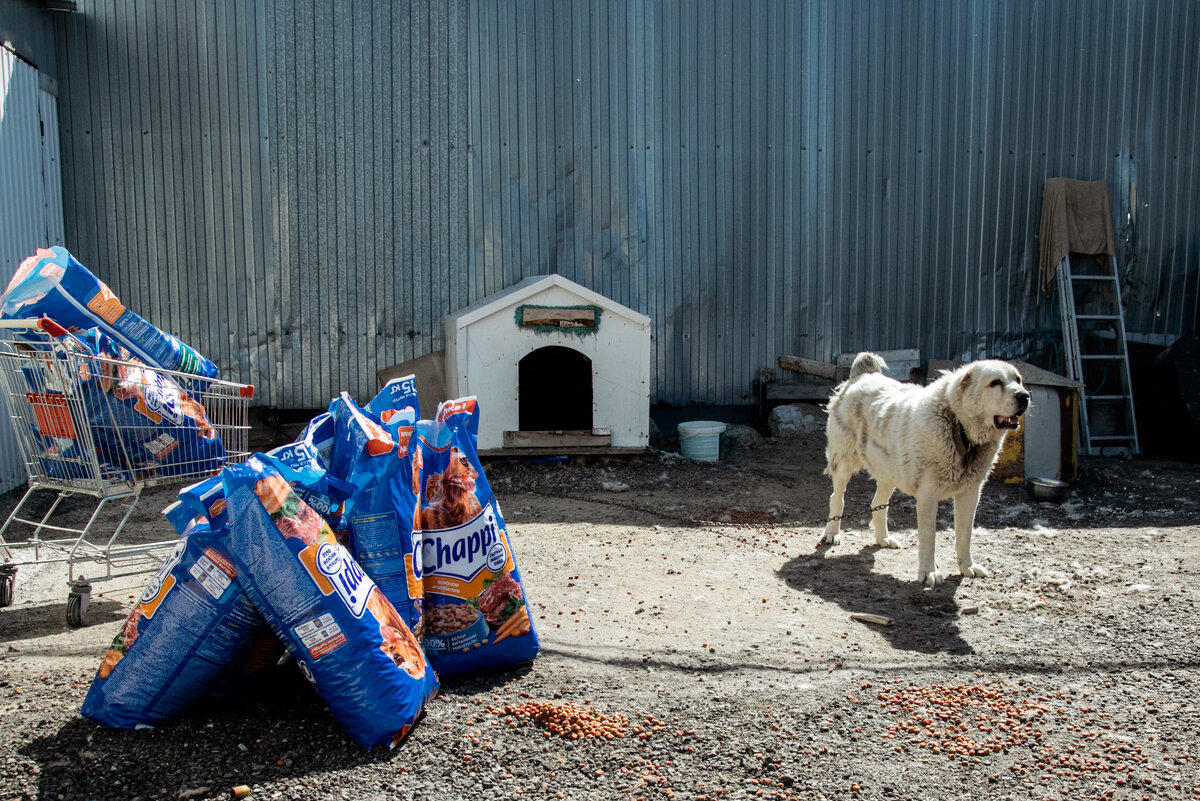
(105, 429)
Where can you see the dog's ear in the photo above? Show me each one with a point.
(960, 382)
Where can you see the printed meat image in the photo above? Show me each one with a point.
(293, 518)
(501, 599)
(304, 523)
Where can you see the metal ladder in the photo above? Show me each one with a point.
(1097, 356)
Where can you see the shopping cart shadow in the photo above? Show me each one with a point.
(47, 618)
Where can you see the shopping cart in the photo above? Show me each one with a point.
(102, 429)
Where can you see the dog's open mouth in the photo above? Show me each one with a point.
(1007, 422)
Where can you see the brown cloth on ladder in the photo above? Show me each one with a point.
(1076, 218)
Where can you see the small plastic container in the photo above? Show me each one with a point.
(701, 439)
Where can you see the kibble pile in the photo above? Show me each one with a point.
(570, 720)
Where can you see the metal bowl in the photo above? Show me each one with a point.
(1046, 489)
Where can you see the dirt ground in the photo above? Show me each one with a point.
(728, 646)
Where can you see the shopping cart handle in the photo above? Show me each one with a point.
(52, 328)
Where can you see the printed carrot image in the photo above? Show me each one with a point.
(516, 625)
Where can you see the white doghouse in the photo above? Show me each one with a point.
(557, 369)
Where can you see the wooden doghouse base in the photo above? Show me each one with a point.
(561, 443)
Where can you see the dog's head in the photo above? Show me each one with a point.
(459, 476)
(988, 397)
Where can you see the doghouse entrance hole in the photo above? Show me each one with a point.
(555, 390)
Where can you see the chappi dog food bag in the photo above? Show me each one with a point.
(475, 608)
(382, 512)
(347, 638)
(52, 283)
(192, 625)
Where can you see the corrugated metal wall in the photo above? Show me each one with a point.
(30, 198)
(166, 169)
(303, 189)
(775, 177)
(366, 108)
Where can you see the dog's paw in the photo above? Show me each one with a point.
(931, 578)
(887, 542)
(831, 538)
(973, 571)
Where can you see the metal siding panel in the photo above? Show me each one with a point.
(22, 212)
(658, 273)
(283, 111)
(758, 177)
(261, 251)
(458, 229)
(475, 180)
(51, 159)
(712, 328)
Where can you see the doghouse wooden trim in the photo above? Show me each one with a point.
(552, 439)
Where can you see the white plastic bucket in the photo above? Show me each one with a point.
(701, 439)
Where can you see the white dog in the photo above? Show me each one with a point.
(933, 442)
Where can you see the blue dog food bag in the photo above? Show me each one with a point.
(476, 615)
(52, 283)
(381, 511)
(304, 465)
(191, 628)
(345, 635)
(397, 404)
(142, 422)
(204, 502)
(141, 418)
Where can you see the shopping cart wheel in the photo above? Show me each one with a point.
(8, 576)
(77, 604)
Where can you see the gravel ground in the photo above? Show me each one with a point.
(723, 654)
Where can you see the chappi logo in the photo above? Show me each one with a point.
(418, 566)
(464, 551)
(353, 586)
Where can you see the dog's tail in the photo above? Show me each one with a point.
(863, 363)
(866, 363)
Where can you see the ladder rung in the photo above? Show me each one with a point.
(1102, 356)
(1113, 438)
(1107, 397)
(1093, 277)
(1097, 317)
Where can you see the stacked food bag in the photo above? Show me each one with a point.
(146, 418)
(372, 549)
(52, 283)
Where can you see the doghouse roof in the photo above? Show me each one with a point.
(529, 288)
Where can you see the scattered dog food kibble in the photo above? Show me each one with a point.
(568, 719)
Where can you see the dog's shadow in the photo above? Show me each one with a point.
(922, 619)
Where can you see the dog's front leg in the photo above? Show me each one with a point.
(965, 504)
(927, 569)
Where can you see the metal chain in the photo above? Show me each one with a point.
(690, 521)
